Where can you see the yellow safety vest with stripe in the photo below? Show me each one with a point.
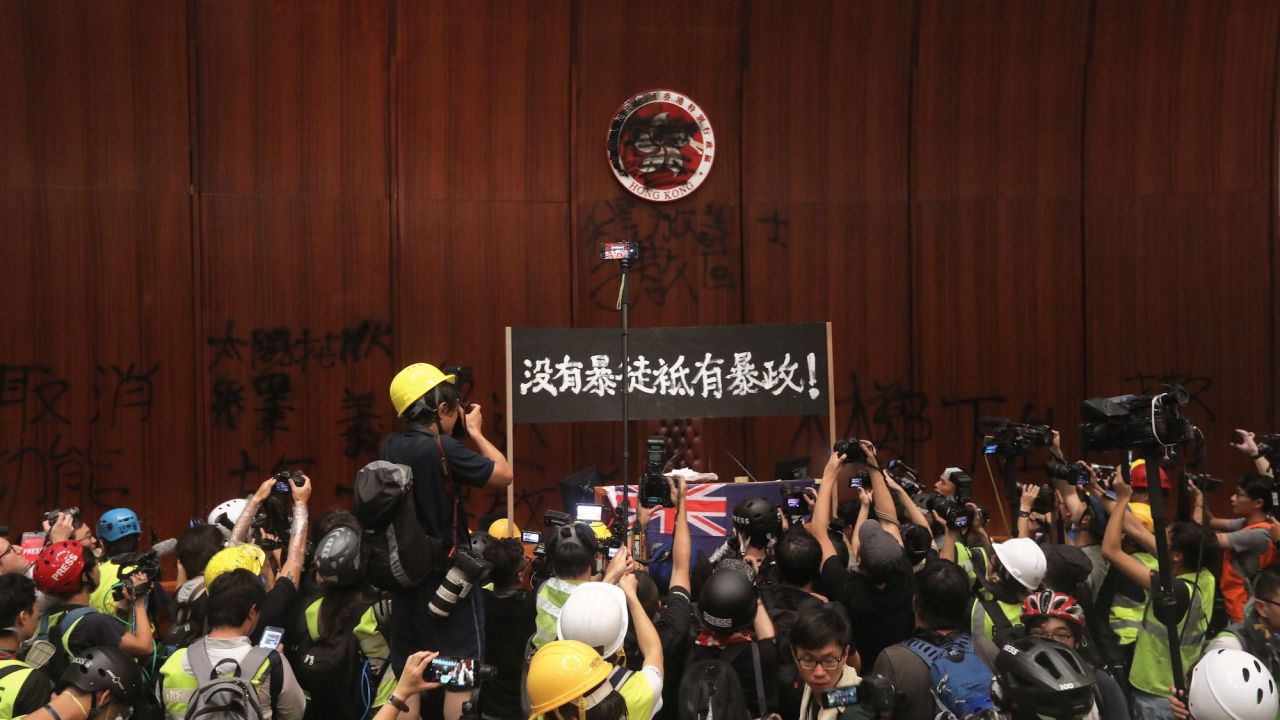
(11, 684)
(372, 644)
(1151, 671)
(101, 598)
(178, 686)
(965, 559)
(1126, 613)
(981, 623)
(635, 691)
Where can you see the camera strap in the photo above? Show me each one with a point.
(459, 522)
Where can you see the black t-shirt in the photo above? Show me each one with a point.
(511, 620)
(276, 610)
(832, 578)
(674, 625)
(880, 614)
(33, 694)
(90, 630)
(416, 448)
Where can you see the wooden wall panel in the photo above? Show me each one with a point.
(294, 97)
(691, 269)
(1178, 208)
(825, 137)
(461, 282)
(94, 94)
(483, 104)
(96, 372)
(996, 160)
(298, 340)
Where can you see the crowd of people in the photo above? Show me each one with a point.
(891, 602)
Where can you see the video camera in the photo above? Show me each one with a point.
(1135, 422)
(556, 518)
(905, 476)
(148, 564)
(1014, 438)
(1205, 483)
(654, 490)
(1269, 447)
(1076, 473)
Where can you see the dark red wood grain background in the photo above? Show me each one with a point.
(226, 224)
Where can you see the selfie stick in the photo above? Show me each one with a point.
(624, 253)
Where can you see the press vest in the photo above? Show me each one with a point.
(11, 682)
(372, 644)
(1151, 672)
(981, 623)
(1126, 613)
(180, 686)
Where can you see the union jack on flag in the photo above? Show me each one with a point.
(706, 504)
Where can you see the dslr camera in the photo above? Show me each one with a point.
(852, 450)
(465, 572)
(654, 490)
(51, 517)
(1135, 422)
(953, 513)
(793, 503)
(284, 477)
(1205, 483)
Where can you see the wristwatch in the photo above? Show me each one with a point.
(1024, 513)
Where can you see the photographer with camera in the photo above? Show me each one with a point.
(1017, 569)
(572, 551)
(1245, 540)
(1247, 443)
(735, 628)
(291, 490)
(1150, 672)
(67, 573)
(431, 445)
(12, 559)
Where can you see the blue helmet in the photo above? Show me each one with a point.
(118, 523)
(659, 566)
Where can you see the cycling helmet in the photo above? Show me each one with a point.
(338, 556)
(1053, 604)
(1039, 678)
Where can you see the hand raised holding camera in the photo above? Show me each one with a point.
(474, 419)
(301, 493)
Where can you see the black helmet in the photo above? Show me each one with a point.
(727, 603)
(105, 668)
(1038, 677)
(757, 518)
(338, 556)
(480, 541)
(573, 534)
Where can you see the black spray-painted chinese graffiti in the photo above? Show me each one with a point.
(44, 454)
(562, 375)
(258, 382)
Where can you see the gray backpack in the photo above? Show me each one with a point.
(226, 696)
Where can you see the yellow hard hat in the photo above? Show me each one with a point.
(246, 557)
(503, 528)
(601, 530)
(1142, 511)
(563, 671)
(413, 382)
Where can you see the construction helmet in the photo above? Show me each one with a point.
(239, 557)
(1138, 475)
(61, 567)
(1024, 561)
(1142, 511)
(118, 523)
(563, 671)
(413, 382)
(595, 614)
(600, 530)
(503, 528)
(1232, 685)
(338, 557)
(1036, 677)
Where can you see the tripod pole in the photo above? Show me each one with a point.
(1162, 595)
(624, 303)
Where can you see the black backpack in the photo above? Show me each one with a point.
(333, 670)
(398, 554)
(190, 620)
(785, 607)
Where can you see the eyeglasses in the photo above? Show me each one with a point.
(830, 664)
(1062, 636)
(7, 550)
(1269, 602)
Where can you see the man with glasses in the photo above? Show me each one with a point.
(1245, 540)
(1057, 616)
(820, 646)
(12, 559)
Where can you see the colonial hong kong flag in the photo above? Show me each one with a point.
(709, 506)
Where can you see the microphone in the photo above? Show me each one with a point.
(164, 547)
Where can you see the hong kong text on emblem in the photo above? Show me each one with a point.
(660, 145)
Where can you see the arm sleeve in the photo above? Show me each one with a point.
(467, 466)
(35, 692)
(673, 623)
(292, 703)
(833, 578)
(275, 609)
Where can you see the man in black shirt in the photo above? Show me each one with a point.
(509, 611)
(22, 689)
(428, 400)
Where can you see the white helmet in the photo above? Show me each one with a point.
(595, 614)
(225, 515)
(1024, 560)
(1232, 685)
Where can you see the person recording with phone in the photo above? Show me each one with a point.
(432, 446)
(1246, 442)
